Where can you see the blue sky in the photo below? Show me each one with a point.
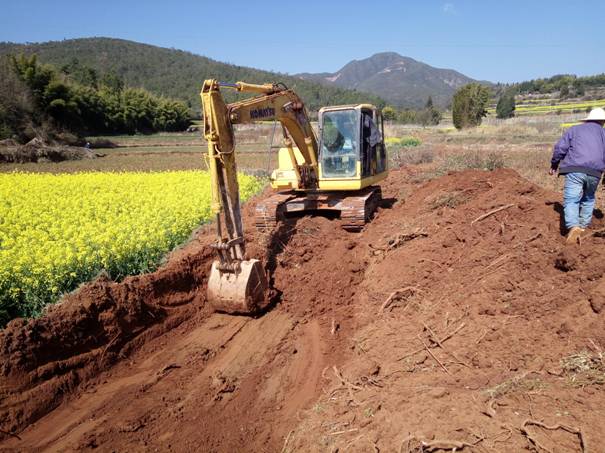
(489, 40)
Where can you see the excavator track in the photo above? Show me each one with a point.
(270, 211)
(356, 208)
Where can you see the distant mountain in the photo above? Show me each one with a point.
(175, 73)
(399, 80)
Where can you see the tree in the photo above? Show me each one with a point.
(579, 88)
(389, 113)
(79, 106)
(564, 91)
(429, 116)
(506, 106)
(112, 81)
(429, 103)
(16, 105)
(469, 105)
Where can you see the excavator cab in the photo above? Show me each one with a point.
(352, 154)
(351, 146)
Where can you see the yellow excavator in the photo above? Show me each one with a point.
(335, 171)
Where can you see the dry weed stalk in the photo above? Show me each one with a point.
(492, 212)
(397, 294)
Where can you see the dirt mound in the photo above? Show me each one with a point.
(456, 319)
(42, 360)
(36, 150)
(470, 319)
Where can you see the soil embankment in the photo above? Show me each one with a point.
(457, 318)
(37, 150)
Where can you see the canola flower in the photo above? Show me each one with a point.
(58, 231)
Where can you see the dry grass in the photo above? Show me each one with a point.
(584, 368)
(515, 384)
(448, 200)
(471, 160)
(410, 156)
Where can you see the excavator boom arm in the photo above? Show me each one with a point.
(236, 285)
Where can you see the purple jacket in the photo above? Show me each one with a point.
(581, 149)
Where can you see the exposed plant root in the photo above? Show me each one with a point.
(445, 444)
(343, 380)
(347, 385)
(569, 429)
(490, 411)
(478, 340)
(443, 340)
(508, 431)
(433, 355)
(283, 450)
(436, 340)
(487, 214)
(337, 433)
(397, 293)
(407, 440)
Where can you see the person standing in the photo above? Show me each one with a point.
(580, 156)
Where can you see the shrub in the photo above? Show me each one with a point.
(506, 106)
(407, 140)
(403, 156)
(471, 160)
(469, 105)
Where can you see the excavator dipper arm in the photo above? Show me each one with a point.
(237, 285)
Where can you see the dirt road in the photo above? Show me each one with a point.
(456, 319)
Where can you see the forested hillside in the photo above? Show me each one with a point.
(173, 73)
(563, 85)
(41, 100)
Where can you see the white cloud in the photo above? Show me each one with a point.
(448, 8)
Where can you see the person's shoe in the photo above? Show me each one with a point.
(574, 235)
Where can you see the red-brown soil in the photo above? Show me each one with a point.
(348, 358)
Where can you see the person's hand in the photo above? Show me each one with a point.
(552, 172)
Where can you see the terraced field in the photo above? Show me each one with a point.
(531, 108)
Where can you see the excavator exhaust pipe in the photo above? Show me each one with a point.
(244, 292)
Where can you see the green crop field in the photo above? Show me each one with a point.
(563, 107)
(57, 231)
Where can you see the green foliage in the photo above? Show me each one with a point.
(407, 140)
(426, 117)
(174, 73)
(558, 82)
(16, 104)
(469, 105)
(389, 113)
(579, 89)
(88, 107)
(506, 106)
(80, 73)
(112, 82)
(429, 116)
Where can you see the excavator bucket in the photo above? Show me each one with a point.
(243, 292)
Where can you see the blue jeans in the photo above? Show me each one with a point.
(579, 199)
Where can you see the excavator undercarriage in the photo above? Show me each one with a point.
(354, 208)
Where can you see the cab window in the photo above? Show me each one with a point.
(339, 143)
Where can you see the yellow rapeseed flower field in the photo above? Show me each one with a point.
(57, 231)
